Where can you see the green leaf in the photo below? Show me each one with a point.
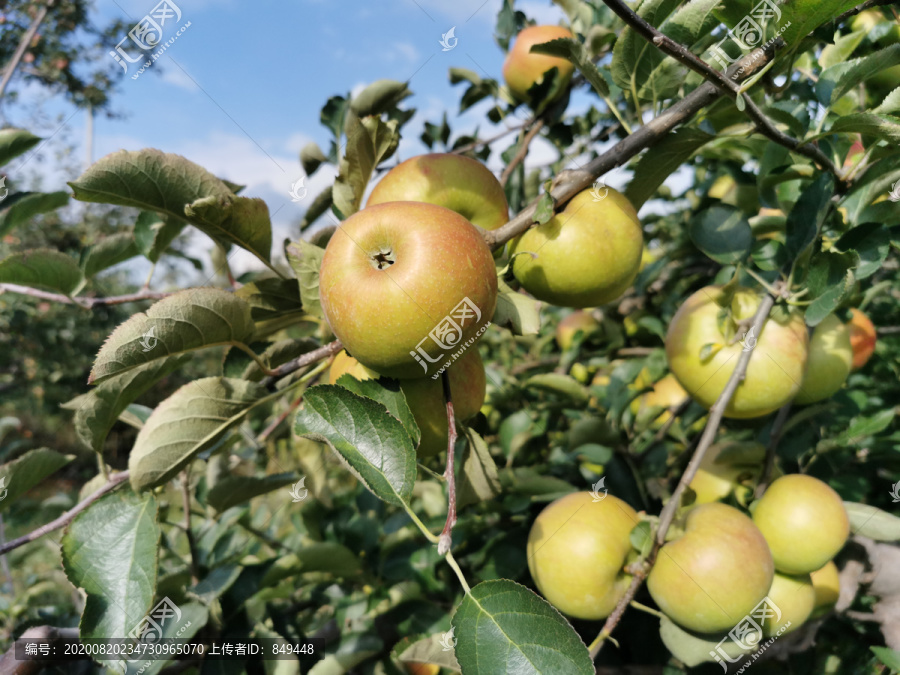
(806, 15)
(873, 523)
(691, 22)
(20, 207)
(275, 355)
(516, 311)
(478, 480)
(641, 538)
(107, 252)
(830, 282)
(837, 80)
(189, 618)
(369, 143)
(271, 298)
(634, 59)
(379, 97)
(371, 442)
(575, 52)
(333, 113)
(502, 627)
(98, 410)
(188, 422)
(864, 427)
(311, 158)
(169, 184)
(188, 320)
(306, 259)
(661, 160)
(111, 551)
(42, 268)
(545, 209)
(890, 104)
(889, 657)
(723, 233)
(14, 142)
(882, 127)
(387, 392)
(20, 475)
(871, 242)
(320, 204)
(214, 584)
(558, 383)
(153, 233)
(842, 48)
(769, 254)
(234, 490)
(318, 557)
(691, 649)
(805, 218)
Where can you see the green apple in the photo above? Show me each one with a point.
(522, 69)
(795, 597)
(577, 548)
(776, 366)
(455, 182)
(711, 576)
(725, 469)
(585, 256)
(406, 285)
(804, 522)
(425, 396)
(826, 582)
(574, 322)
(829, 362)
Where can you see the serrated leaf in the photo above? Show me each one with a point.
(882, 127)
(234, 490)
(97, 410)
(723, 233)
(193, 319)
(370, 142)
(805, 218)
(20, 475)
(890, 104)
(871, 242)
(311, 158)
(153, 233)
(271, 298)
(516, 311)
(111, 551)
(42, 268)
(478, 480)
(837, 80)
(14, 142)
(189, 421)
(873, 523)
(634, 59)
(387, 392)
(318, 557)
(661, 160)
(379, 97)
(691, 22)
(576, 53)
(371, 442)
(842, 48)
(306, 259)
(107, 252)
(168, 184)
(20, 207)
(558, 383)
(504, 628)
(830, 282)
(806, 15)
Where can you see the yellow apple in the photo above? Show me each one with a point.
(585, 256)
(665, 394)
(577, 548)
(776, 366)
(719, 476)
(795, 597)
(826, 582)
(829, 362)
(574, 322)
(522, 69)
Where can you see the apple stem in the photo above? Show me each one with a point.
(449, 474)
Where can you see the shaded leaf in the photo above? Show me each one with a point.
(830, 282)
(306, 259)
(370, 142)
(576, 53)
(318, 557)
(20, 207)
(723, 233)
(234, 490)
(153, 233)
(23, 473)
(311, 158)
(107, 252)
(873, 523)
(231, 219)
(14, 142)
(558, 383)
(661, 160)
(379, 97)
(883, 127)
(42, 268)
(516, 311)
(837, 80)
(478, 479)
(804, 219)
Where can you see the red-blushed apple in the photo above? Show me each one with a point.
(413, 668)
(406, 285)
(862, 338)
(711, 576)
(585, 256)
(826, 582)
(804, 522)
(577, 549)
(425, 396)
(776, 366)
(829, 362)
(795, 597)
(571, 324)
(522, 69)
(455, 182)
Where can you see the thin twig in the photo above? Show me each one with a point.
(445, 540)
(302, 361)
(115, 480)
(27, 37)
(87, 303)
(186, 505)
(771, 448)
(519, 157)
(487, 141)
(860, 8)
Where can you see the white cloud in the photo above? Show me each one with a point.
(176, 76)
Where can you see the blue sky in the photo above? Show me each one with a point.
(240, 91)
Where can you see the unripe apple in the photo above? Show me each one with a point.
(776, 366)
(455, 182)
(829, 362)
(577, 548)
(425, 396)
(406, 285)
(826, 582)
(719, 476)
(422, 668)
(710, 577)
(804, 522)
(667, 392)
(585, 256)
(522, 69)
(574, 322)
(862, 338)
(795, 597)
